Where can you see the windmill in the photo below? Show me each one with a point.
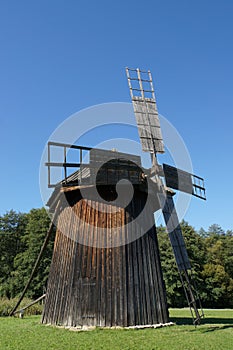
(106, 268)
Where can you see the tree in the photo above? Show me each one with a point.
(35, 232)
(174, 289)
(218, 286)
(217, 270)
(196, 252)
(12, 227)
(202, 233)
(215, 230)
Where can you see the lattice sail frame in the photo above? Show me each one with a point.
(183, 181)
(145, 109)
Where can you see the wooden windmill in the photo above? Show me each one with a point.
(106, 268)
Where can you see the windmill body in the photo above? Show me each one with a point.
(105, 272)
(106, 268)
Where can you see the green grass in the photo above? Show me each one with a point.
(216, 332)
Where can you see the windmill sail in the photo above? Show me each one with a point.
(145, 109)
(146, 114)
(183, 181)
(174, 231)
(181, 255)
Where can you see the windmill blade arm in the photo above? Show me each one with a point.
(184, 181)
(174, 231)
(181, 255)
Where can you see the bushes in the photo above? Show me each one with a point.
(6, 305)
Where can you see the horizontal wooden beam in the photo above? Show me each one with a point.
(64, 165)
(32, 303)
(59, 144)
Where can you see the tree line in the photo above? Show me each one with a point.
(210, 253)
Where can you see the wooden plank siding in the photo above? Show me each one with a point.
(113, 286)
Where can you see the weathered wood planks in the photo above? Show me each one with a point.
(113, 286)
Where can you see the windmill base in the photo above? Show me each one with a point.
(105, 287)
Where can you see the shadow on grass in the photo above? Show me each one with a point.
(218, 323)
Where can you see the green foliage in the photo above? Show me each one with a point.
(35, 232)
(6, 305)
(21, 238)
(217, 271)
(211, 259)
(12, 227)
(215, 333)
(170, 272)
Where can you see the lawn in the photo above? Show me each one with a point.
(215, 333)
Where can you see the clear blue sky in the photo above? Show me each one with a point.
(58, 57)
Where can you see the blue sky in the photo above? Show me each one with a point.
(58, 57)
